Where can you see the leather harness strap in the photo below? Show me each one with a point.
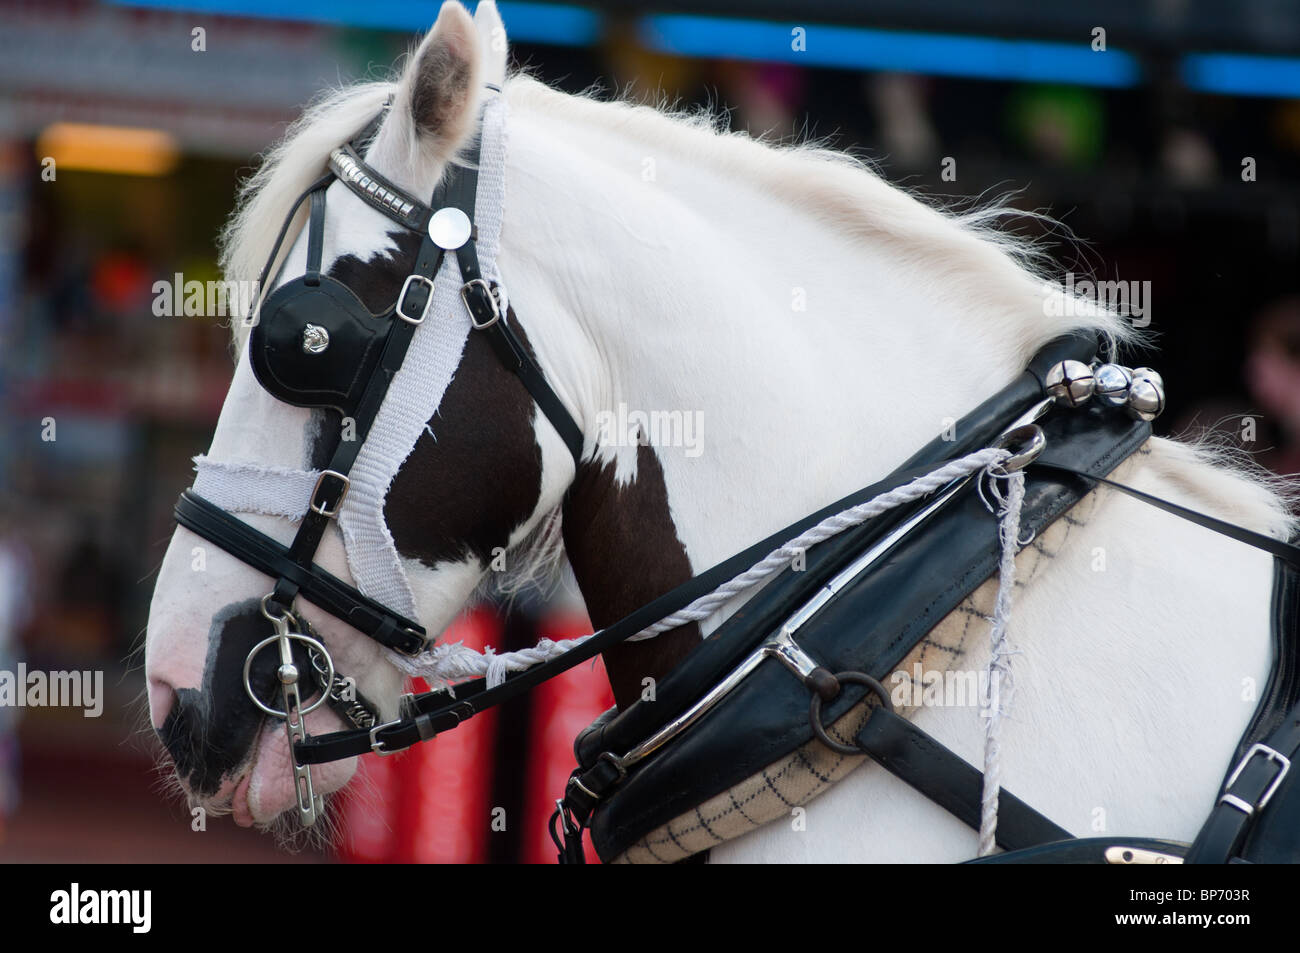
(947, 779)
(915, 757)
(484, 308)
(268, 556)
(1277, 547)
(1252, 785)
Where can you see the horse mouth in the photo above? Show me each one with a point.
(265, 788)
(241, 809)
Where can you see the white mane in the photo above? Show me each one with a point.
(966, 251)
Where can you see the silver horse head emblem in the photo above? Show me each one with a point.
(315, 339)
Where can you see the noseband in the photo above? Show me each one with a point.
(315, 345)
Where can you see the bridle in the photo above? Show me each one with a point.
(308, 341)
(315, 345)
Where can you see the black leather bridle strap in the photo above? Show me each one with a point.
(265, 275)
(329, 492)
(268, 556)
(378, 192)
(315, 237)
(485, 313)
(915, 757)
(294, 568)
(1252, 784)
(515, 357)
(1279, 548)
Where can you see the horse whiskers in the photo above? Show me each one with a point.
(291, 836)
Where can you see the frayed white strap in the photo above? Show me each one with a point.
(240, 487)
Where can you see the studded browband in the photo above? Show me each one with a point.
(378, 192)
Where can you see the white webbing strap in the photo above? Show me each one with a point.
(409, 406)
(252, 488)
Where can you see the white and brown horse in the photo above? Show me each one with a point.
(822, 325)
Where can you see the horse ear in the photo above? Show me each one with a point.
(442, 87)
(492, 38)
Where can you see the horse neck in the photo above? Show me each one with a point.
(800, 362)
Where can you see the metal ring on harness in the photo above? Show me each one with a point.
(269, 640)
(1026, 443)
(815, 708)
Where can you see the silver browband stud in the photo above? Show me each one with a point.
(347, 168)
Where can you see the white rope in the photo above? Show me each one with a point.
(779, 559)
(999, 667)
(445, 663)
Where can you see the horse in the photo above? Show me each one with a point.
(818, 324)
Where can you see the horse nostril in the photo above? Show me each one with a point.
(162, 699)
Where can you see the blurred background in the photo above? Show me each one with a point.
(1166, 133)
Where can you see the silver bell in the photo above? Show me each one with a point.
(315, 339)
(1070, 383)
(1146, 398)
(1112, 384)
(1150, 374)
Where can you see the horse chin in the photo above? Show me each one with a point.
(266, 789)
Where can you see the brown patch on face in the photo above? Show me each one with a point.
(463, 491)
(625, 552)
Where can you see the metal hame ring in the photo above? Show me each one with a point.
(313, 643)
(815, 709)
(1030, 440)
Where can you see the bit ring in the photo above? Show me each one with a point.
(311, 643)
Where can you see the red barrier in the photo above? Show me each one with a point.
(430, 804)
(561, 708)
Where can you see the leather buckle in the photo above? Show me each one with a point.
(1270, 755)
(376, 745)
(401, 298)
(481, 284)
(414, 645)
(576, 782)
(323, 507)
